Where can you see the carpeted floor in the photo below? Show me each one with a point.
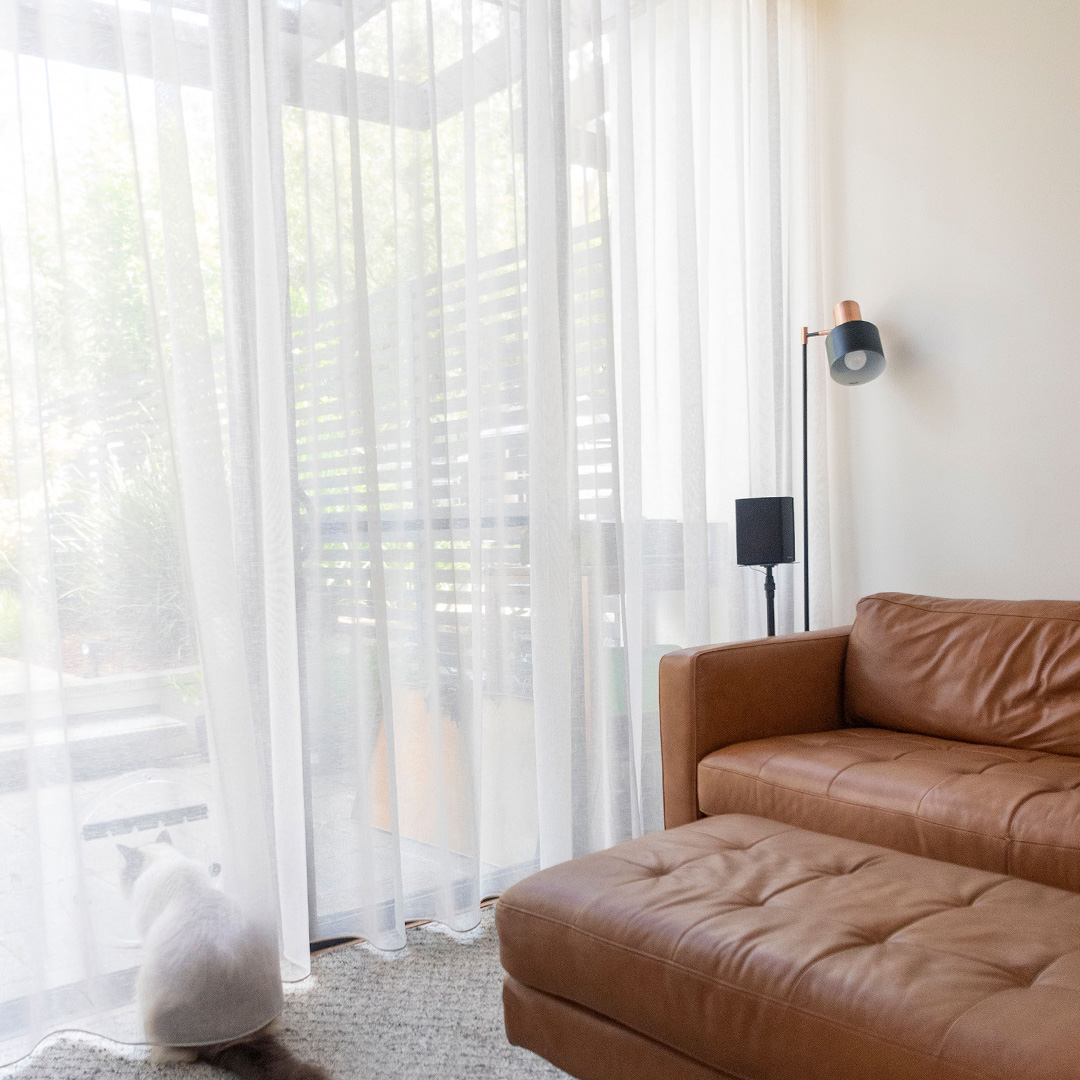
(432, 1011)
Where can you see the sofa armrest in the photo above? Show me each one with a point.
(717, 695)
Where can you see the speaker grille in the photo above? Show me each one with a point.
(765, 531)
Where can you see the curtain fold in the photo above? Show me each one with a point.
(377, 382)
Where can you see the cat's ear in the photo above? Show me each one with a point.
(134, 860)
(164, 837)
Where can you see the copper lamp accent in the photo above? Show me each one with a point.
(847, 311)
(844, 312)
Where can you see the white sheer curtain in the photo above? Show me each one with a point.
(377, 380)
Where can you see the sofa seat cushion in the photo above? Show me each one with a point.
(769, 952)
(998, 809)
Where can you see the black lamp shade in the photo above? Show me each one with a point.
(855, 352)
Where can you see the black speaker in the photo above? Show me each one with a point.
(765, 531)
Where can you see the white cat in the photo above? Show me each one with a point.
(208, 972)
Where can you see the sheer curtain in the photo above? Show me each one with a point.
(377, 380)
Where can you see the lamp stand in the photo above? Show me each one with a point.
(770, 600)
(855, 357)
(807, 334)
(805, 496)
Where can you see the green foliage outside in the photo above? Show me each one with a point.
(119, 577)
(79, 158)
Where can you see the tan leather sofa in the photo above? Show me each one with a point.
(944, 728)
(839, 893)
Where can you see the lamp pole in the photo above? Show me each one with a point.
(805, 494)
(855, 357)
(806, 336)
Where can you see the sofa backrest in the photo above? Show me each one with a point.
(1000, 672)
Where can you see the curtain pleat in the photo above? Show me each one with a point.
(376, 383)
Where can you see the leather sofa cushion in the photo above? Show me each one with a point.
(1000, 672)
(999, 809)
(584, 1043)
(774, 953)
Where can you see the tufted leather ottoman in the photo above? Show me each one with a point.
(738, 947)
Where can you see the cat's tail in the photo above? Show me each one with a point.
(262, 1057)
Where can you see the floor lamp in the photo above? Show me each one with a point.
(855, 357)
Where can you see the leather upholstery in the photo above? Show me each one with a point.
(1005, 810)
(772, 953)
(742, 946)
(588, 1045)
(1000, 672)
(721, 694)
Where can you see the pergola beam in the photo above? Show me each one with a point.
(93, 36)
(96, 35)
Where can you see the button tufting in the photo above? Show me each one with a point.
(700, 956)
(995, 808)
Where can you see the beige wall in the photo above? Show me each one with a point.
(951, 148)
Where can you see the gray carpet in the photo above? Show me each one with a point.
(431, 1011)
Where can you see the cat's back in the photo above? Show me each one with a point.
(209, 973)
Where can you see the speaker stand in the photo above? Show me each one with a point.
(770, 600)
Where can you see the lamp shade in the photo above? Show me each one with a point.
(854, 347)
